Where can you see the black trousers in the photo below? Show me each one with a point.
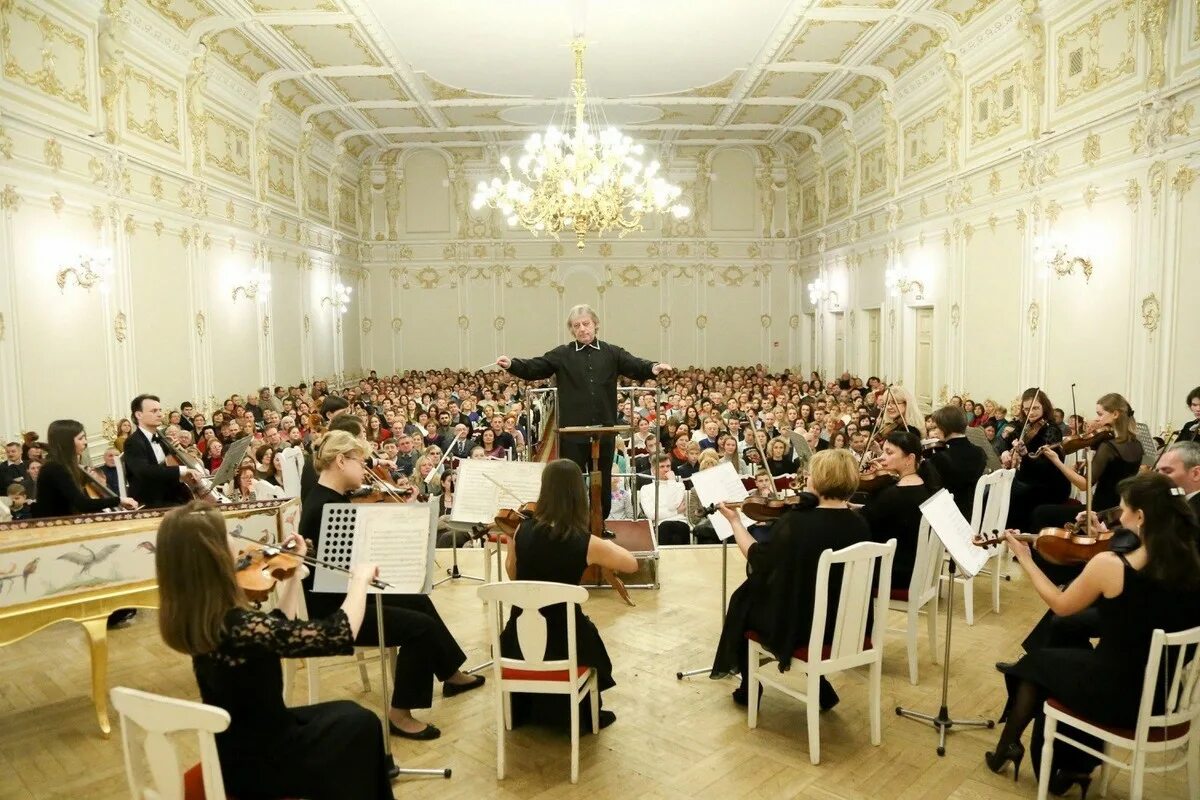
(674, 531)
(579, 450)
(426, 646)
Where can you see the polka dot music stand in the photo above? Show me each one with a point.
(344, 528)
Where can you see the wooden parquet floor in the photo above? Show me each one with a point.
(673, 739)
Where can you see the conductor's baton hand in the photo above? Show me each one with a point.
(503, 362)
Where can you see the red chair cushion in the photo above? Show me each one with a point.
(801, 653)
(1171, 732)
(513, 674)
(900, 594)
(502, 538)
(193, 784)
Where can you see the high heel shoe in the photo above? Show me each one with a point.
(1014, 753)
(1061, 782)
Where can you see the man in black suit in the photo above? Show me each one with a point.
(14, 469)
(586, 371)
(1181, 463)
(151, 481)
(960, 464)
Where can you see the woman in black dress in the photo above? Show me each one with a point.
(894, 512)
(777, 599)
(60, 485)
(1038, 481)
(325, 751)
(554, 545)
(1155, 586)
(410, 622)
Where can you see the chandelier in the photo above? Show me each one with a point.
(579, 180)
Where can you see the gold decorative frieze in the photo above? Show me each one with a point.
(1053, 210)
(1084, 66)
(924, 141)
(872, 170)
(464, 322)
(367, 325)
(1156, 178)
(152, 109)
(44, 55)
(158, 227)
(996, 104)
(201, 324)
(227, 146)
(765, 320)
(605, 249)
(181, 13)
(1021, 219)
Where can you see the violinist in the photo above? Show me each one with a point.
(1038, 481)
(894, 512)
(1155, 586)
(960, 463)
(555, 545)
(1115, 459)
(901, 412)
(326, 751)
(411, 622)
(1190, 432)
(776, 600)
(62, 485)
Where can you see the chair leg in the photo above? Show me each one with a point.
(507, 711)
(501, 727)
(595, 692)
(1137, 775)
(361, 658)
(574, 737)
(314, 680)
(911, 637)
(752, 683)
(876, 700)
(813, 709)
(1193, 764)
(487, 564)
(1106, 769)
(968, 585)
(999, 570)
(1047, 758)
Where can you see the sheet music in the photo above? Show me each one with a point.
(476, 499)
(717, 485)
(955, 532)
(399, 538)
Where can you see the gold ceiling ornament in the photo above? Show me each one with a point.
(580, 181)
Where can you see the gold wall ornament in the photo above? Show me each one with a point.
(1156, 178)
(464, 322)
(892, 318)
(1090, 193)
(1154, 17)
(968, 230)
(201, 324)
(498, 323)
(1034, 316)
(307, 324)
(1095, 73)
(57, 203)
(108, 428)
(52, 154)
(367, 325)
(1183, 180)
(120, 327)
(955, 315)
(702, 321)
(158, 227)
(794, 321)
(130, 225)
(765, 320)
(1133, 193)
(1151, 312)
(664, 321)
(6, 144)
(230, 210)
(55, 42)
(992, 222)
(605, 249)
(156, 187)
(397, 324)
(266, 325)
(1091, 149)
(1053, 211)
(98, 218)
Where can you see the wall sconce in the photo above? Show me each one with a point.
(899, 283)
(89, 271)
(819, 292)
(1059, 260)
(258, 282)
(340, 299)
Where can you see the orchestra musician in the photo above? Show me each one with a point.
(554, 544)
(62, 485)
(1038, 480)
(777, 598)
(960, 463)
(1155, 586)
(151, 480)
(586, 371)
(1190, 432)
(894, 512)
(411, 622)
(326, 751)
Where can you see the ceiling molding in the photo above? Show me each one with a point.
(211, 26)
(826, 67)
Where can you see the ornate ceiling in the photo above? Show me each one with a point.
(377, 75)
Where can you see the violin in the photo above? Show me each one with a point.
(259, 567)
(507, 520)
(769, 509)
(1066, 546)
(1073, 444)
(930, 447)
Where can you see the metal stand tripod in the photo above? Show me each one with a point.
(942, 721)
(453, 573)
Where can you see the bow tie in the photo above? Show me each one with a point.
(156, 439)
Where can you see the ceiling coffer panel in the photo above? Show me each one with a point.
(370, 87)
(787, 84)
(245, 56)
(330, 45)
(820, 40)
(913, 44)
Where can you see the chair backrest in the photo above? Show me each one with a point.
(1182, 690)
(531, 597)
(927, 568)
(159, 716)
(989, 511)
(859, 564)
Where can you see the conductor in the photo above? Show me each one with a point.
(586, 371)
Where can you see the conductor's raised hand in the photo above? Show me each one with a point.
(660, 368)
(503, 362)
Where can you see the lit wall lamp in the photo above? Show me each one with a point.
(89, 271)
(819, 293)
(258, 282)
(1059, 260)
(340, 299)
(899, 283)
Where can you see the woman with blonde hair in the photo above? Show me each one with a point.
(325, 751)
(124, 429)
(411, 622)
(778, 597)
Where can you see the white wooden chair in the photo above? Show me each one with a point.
(313, 666)
(160, 716)
(852, 646)
(533, 673)
(1177, 729)
(921, 594)
(493, 548)
(988, 517)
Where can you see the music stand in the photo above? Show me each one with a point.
(955, 533)
(346, 532)
(596, 512)
(231, 461)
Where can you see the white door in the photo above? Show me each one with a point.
(924, 387)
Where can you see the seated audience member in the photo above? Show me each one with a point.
(671, 504)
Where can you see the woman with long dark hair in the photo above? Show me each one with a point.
(61, 485)
(894, 512)
(555, 545)
(1154, 586)
(1038, 481)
